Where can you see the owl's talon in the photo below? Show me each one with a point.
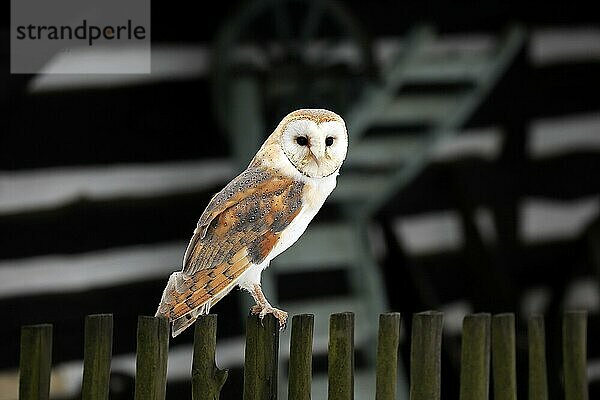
(281, 315)
(256, 309)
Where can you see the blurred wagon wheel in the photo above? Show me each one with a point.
(275, 56)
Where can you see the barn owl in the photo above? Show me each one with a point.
(257, 216)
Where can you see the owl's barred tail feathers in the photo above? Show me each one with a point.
(173, 306)
(181, 323)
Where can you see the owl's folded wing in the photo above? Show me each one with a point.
(239, 228)
(255, 205)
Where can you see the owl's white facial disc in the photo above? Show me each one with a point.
(316, 150)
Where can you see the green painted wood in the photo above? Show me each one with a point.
(97, 354)
(207, 379)
(574, 332)
(385, 151)
(538, 377)
(245, 123)
(347, 191)
(300, 371)
(388, 342)
(425, 356)
(418, 108)
(326, 246)
(475, 357)
(261, 357)
(456, 65)
(35, 362)
(503, 357)
(151, 362)
(340, 361)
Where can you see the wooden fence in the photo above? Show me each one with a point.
(485, 338)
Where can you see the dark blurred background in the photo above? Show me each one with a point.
(472, 181)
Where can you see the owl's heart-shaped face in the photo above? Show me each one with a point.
(315, 146)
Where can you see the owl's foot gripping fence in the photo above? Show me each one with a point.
(263, 307)
(488, 348)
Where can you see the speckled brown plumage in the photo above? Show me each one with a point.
(240, 226)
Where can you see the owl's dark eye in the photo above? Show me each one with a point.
(329, 141)
(302, 140)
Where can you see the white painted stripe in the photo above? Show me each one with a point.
(486, 225)
(180, 62)
(454, 314)
(483, 143)
(430, 233)
(535, 300)
(540, 221)
(100, 59)
(453, 44)
(593, 370)
(555, 136)
(583, 294)
(544, 220)
(45, 188)
(387, 50)
(60, 273)
(548, 46)
(168, 63)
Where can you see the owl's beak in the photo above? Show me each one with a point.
(318, 152)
